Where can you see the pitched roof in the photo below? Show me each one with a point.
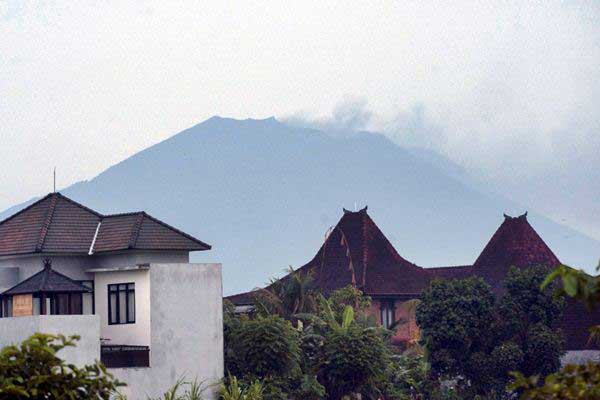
(47, 281)
(142, 232)
(357, 252)
(457, 272)
(515, 243)
(57, 224)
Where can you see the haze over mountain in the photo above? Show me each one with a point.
(263, 194)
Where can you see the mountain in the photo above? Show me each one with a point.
(263, 194)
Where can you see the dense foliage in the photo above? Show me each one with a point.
(301, 345)
(476, 341)
(572, 381)
(34, 371)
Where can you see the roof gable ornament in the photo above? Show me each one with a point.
(362, 210)
(47, 263)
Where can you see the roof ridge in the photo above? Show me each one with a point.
(62, 196)
(68, 278)
(25, 208)
(200, 242)
(23, 281)
(125, 214)
(47, 222)
(46, 272)
(135, 230)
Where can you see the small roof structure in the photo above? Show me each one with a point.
(47, 281)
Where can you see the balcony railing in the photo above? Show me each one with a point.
(124, 356)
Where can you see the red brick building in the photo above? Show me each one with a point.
(357, 253)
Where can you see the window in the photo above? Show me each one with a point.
(121, 303)
(388, 311)
(7, 307)
(89, 305)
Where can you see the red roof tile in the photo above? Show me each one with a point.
(357, 252)
(57, 224)
(515, 243)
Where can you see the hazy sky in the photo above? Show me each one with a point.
(510, 90)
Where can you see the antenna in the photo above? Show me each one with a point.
(54, 176)
(354, 206)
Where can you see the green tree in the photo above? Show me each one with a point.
(265, 347)
(296, 293)
(355, 356)
(580, 382)
(452, 315)
(33, 370)
(471, 338)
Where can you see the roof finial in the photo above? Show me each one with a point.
(47, 263)
(54, 176)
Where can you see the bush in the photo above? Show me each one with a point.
(34, 371)
(263, 347)
(354, 357)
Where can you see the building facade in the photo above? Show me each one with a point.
(122, 282)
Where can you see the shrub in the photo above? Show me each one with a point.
(34, 371)
(264, 347)
(354, 357)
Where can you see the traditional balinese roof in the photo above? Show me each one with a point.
(47, 281)
(57, 224)
(357, 253)
(515, 243)
(455, 272)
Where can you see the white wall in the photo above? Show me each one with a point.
(187, 330)
(138, 333)
(580, 357)
(72, 266)
(130, 258)
(75, 266)
(15, 330)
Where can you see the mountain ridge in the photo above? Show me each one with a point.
(263, 193)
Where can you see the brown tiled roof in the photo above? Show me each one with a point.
(515, 243)
(47, 281)
(57, 224)
(143, 232)
(458, 272)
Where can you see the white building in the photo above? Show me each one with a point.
(122, 282)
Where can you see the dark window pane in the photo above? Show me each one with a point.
(62, 304)
(113, 309)
(76, 304)
(131, 307)
(122, 307)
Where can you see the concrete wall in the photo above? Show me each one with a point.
(129, 258)
(134, 334)
(187, 330)
(15, 330)
(72, 266)
(580, 357)
(75, 266)
(9, 277)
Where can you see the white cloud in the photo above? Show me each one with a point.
(505, 88)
